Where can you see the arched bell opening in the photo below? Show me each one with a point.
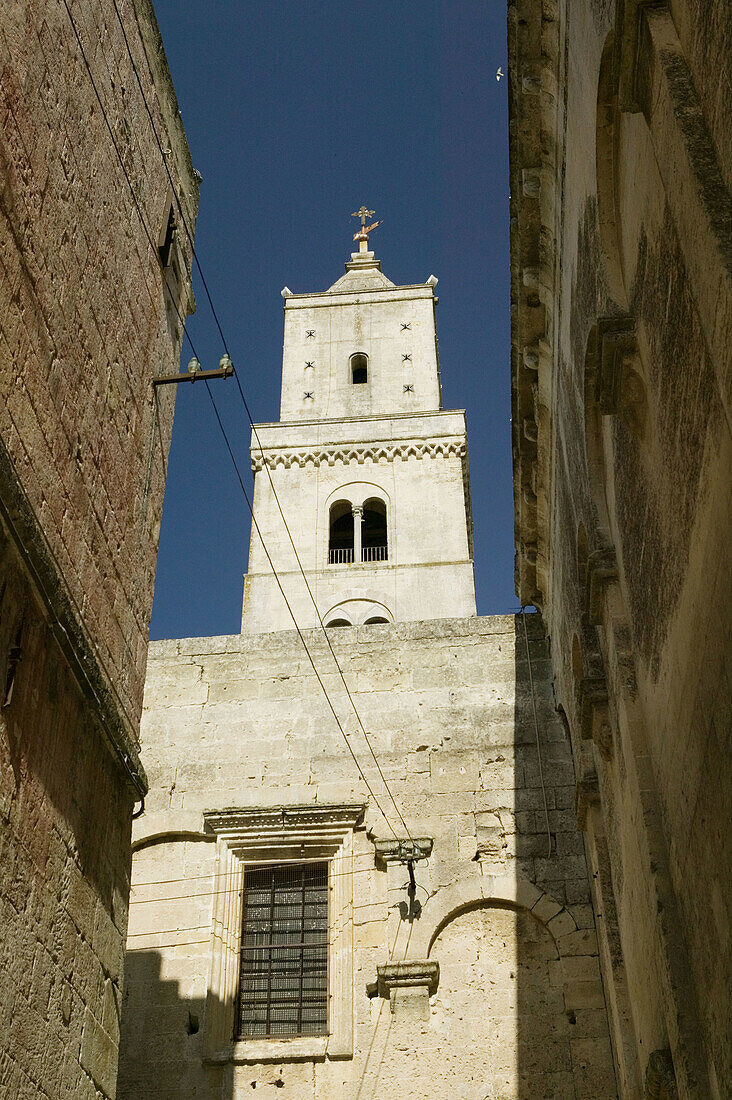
(374, 541)
(340, 540)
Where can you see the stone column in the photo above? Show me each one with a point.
(357, 510)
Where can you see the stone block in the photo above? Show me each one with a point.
(584, 995)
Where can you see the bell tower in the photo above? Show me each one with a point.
(370, 472)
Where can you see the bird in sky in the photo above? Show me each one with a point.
(499, 74)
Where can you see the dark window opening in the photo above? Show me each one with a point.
(359, 369)
(374, 620)
(338, 622)
(166, 247)
(373, 531)
(340, 543)
(283, 980)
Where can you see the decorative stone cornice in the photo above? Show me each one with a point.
(283, 819)
(371, 452)
(592, 700)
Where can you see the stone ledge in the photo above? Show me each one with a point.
(402, 975)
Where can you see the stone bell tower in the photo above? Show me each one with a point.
(371, 473)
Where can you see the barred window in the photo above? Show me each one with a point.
(283, 978)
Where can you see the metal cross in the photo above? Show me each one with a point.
(310, 332)
(308, 393)
(309, 364)
(406, 359)
(407, 325)
(409, 388)
(363, 214)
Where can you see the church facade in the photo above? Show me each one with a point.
(360, 869)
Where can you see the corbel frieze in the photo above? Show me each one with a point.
(329, 456)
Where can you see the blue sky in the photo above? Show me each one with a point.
(296, 114)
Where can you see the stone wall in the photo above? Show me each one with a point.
(87, 317)
(85, 324)
(65, 858)
(621, 123)
(237, 726)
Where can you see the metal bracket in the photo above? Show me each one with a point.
(403, 851)
(194, 375)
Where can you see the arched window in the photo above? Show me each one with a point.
(337, 622)
(340, 542)
(359, 369)
(374, 620)
(373, 531)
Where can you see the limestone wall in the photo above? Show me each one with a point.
(622, 227)
(235, 725)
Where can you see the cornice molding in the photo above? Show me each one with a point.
(372, 452)
(283, 820)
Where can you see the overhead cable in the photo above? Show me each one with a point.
(226, 439)
(253, 425)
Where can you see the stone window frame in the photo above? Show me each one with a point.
(283, 834)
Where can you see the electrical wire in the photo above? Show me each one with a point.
(232, 874)
(252, 423)
(218, 418)
(292, 614)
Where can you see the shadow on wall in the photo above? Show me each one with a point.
(161, 1040)
(562, 1040)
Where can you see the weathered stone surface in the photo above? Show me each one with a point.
(86, 319)
(621, 329)
(489, 928)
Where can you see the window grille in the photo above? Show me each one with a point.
(283, 979)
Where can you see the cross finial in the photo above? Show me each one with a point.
(363, 214)
(363, 234)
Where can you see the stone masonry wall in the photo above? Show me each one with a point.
(621, 121)
(240, 722)
(87, 318)
(83, 318)
(65, 858)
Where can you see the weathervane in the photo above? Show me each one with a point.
(363, 234)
